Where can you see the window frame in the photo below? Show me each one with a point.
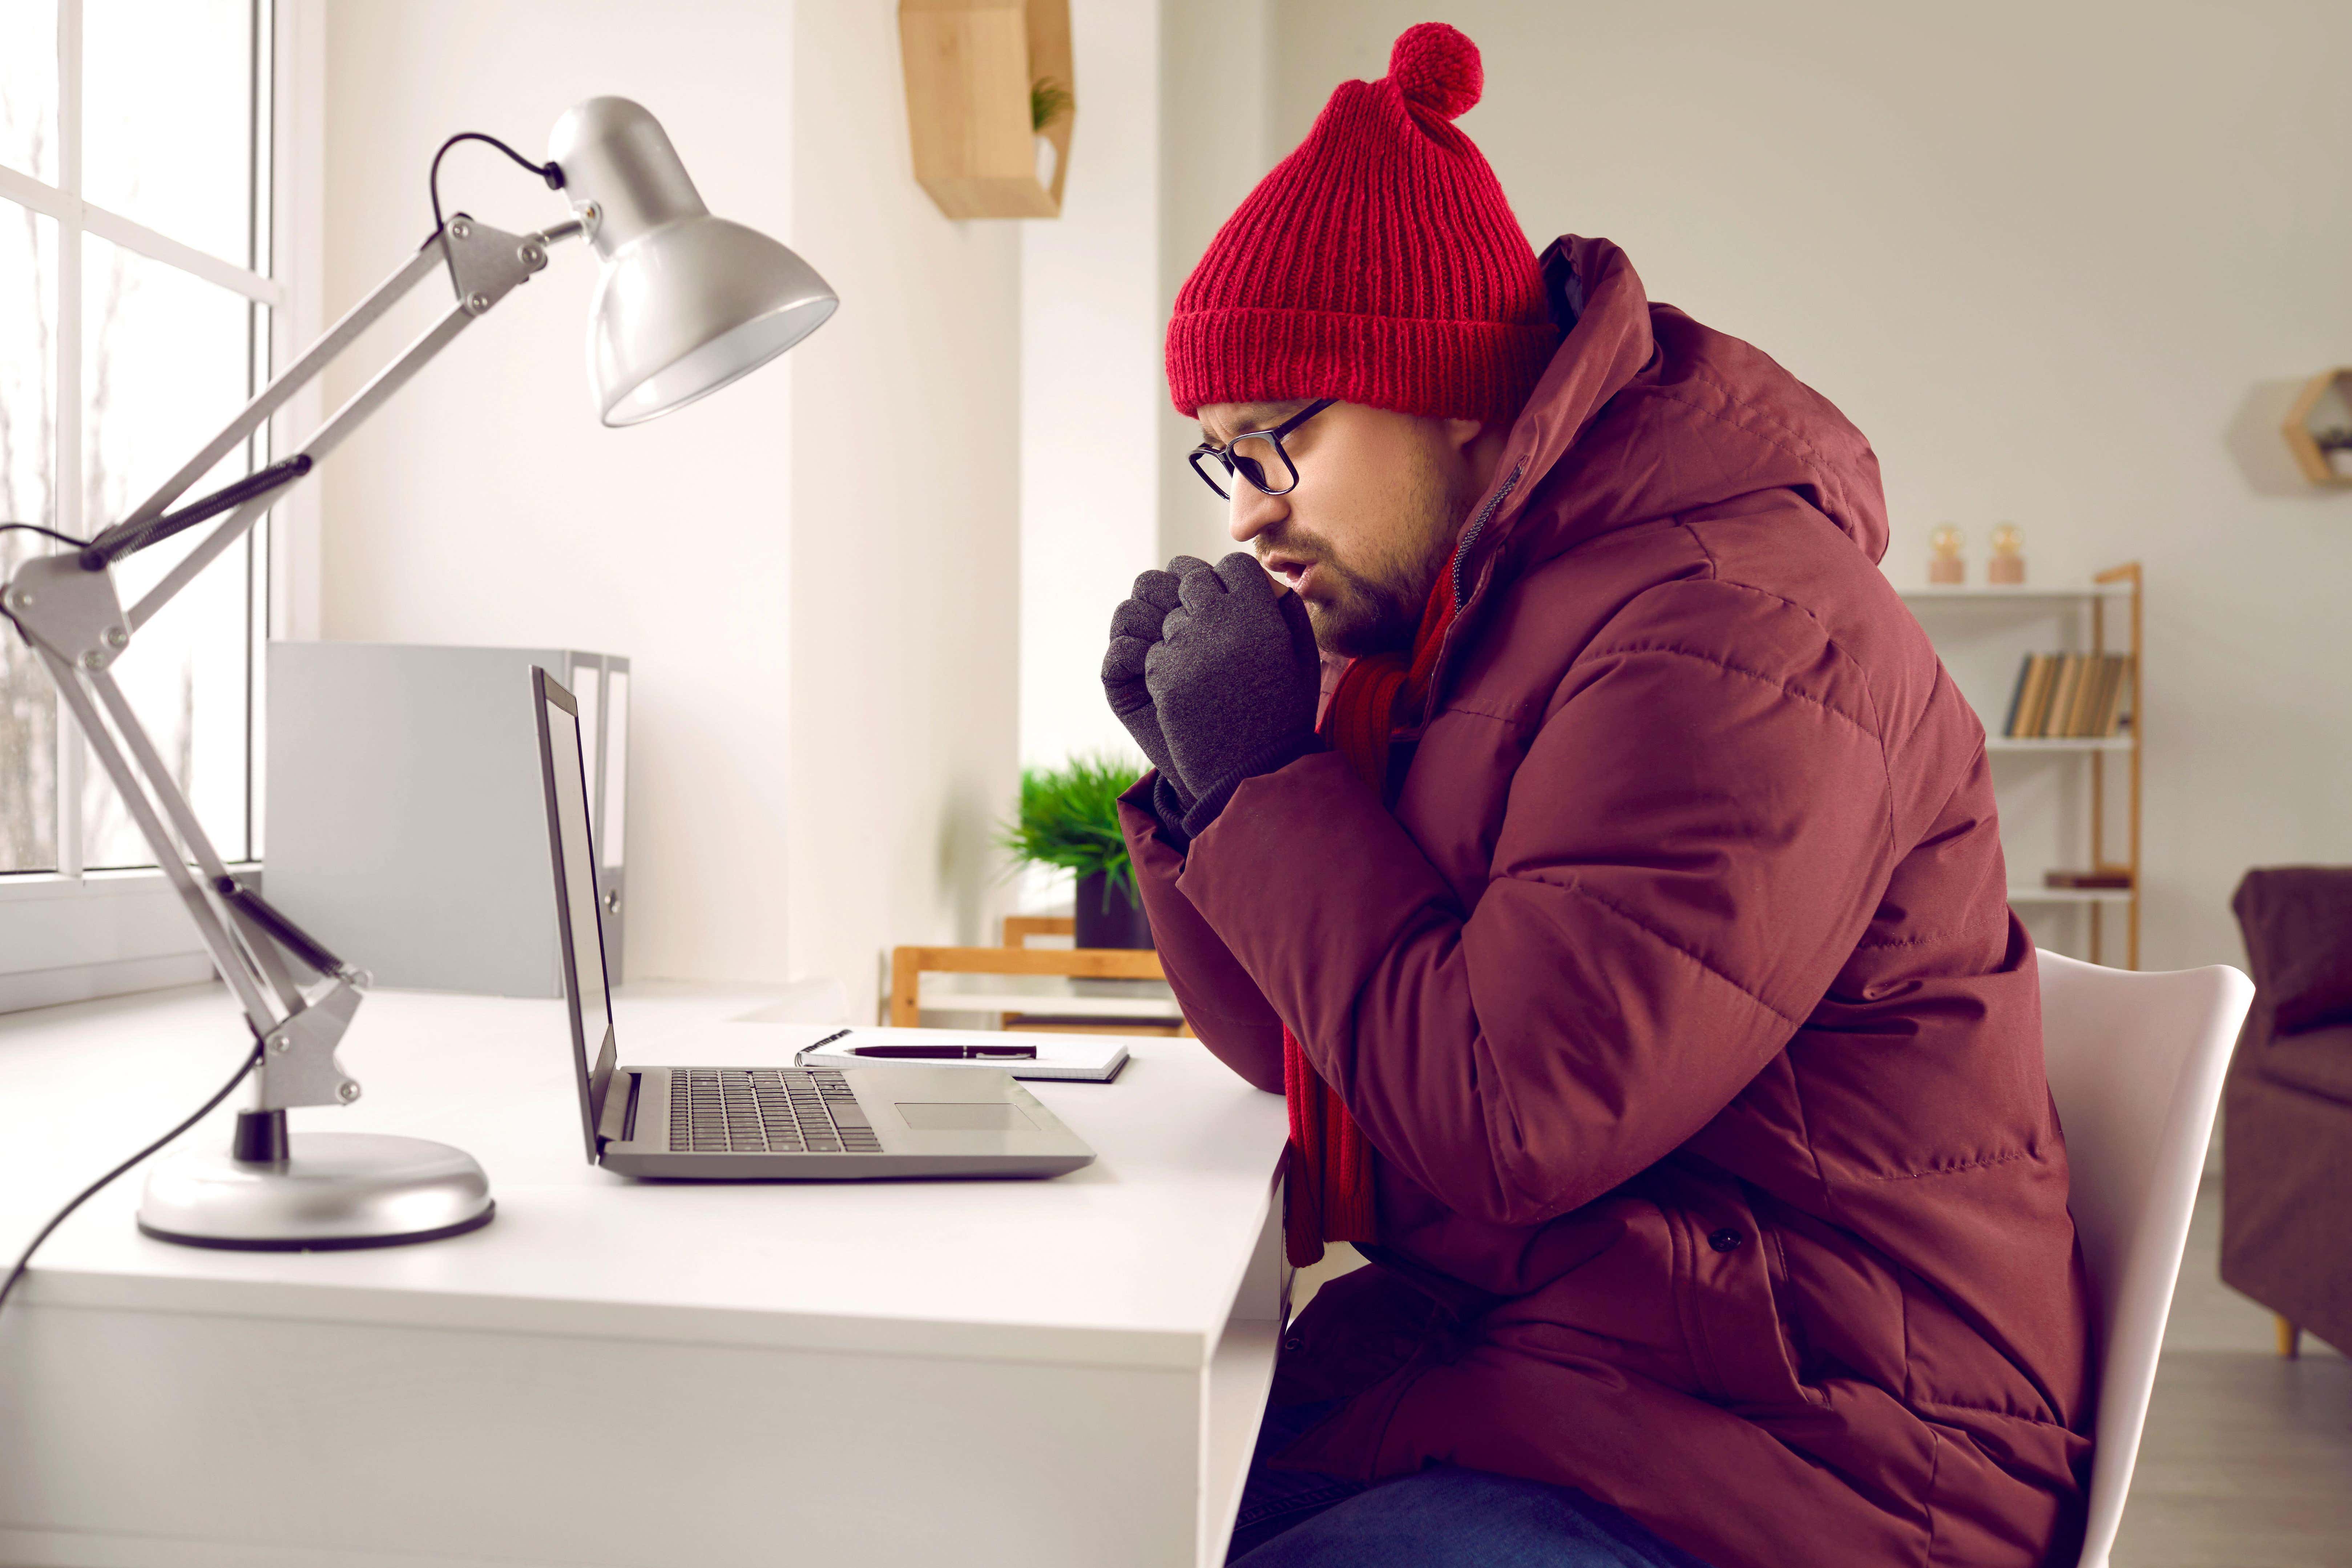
(73, 934)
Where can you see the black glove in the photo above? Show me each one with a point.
(1134, 632)
(1232, 679)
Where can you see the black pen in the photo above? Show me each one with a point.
(944, 1053)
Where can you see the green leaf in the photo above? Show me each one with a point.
(1048, 100)
(1070, 817)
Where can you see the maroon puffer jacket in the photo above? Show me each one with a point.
(1679, 994)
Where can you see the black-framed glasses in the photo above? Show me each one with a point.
(1256, 456)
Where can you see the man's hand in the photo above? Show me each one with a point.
(1134, 630)
(1232, 678)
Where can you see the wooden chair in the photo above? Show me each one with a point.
(1066, 1016)
(1019, 928)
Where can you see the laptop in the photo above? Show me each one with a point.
(775, 1123)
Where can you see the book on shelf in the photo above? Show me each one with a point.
(2062, 690)
(2069, 695)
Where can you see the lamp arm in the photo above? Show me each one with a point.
(181, 818)
(484, 266)
(235, 965)
(293, 379)
(67, 607)
(122, 539)
(329, 435)
(432, 254)
(298, 1065)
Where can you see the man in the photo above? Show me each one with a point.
(1630, 940)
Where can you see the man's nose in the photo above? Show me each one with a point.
(1253, 511)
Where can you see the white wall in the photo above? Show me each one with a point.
(1093, 393)
(1173, 103)
(1217, 141)
(812, 572)
(2059, 262)
(904, 488)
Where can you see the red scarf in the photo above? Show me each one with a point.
(1328, 1195)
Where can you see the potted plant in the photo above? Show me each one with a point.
(1069, 818)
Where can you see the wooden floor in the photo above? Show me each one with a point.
(2248, 1459)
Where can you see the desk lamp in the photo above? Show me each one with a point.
(686, 303)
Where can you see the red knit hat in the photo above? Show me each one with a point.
(1377, 264)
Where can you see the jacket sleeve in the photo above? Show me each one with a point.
(1220, 1000)
(1693, 845)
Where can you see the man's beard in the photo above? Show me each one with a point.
(1376, 605)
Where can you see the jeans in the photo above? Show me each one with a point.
(1441, 1518)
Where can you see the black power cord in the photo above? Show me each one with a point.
(48, 532)
(548, 172)
(59, 1218)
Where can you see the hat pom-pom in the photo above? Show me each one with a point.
(1437, 67)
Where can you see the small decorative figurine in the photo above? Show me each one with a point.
(1945, 568)
(2336, 445)
(2007, 566)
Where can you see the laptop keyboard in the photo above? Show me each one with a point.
(766, 1111)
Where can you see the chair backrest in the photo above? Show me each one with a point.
(1019, 928)
(2136, 1064)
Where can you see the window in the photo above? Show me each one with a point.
(136, 305)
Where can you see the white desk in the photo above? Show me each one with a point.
(968, 1374)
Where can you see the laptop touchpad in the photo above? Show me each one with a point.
(970, 1116)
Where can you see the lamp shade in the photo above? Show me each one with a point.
(687, 303)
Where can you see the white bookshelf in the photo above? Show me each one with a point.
(2011, 744)
(1995, 595)
(2026, 894)
(2060, 805)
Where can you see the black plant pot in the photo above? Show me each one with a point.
(1110, 915)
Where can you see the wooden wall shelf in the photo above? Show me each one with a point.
(2324, 406)
(970, 66)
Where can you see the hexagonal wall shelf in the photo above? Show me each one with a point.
(979, 76)
(2318, 428)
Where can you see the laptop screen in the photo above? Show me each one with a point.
(579, 924)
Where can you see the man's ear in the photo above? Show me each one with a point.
(1461, 432)
(1478, 446)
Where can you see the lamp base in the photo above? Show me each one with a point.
(333, 1191)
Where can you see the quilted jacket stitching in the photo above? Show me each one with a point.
(1966, 1165)
(1751, 421)
(1728, 668)
(1663, 939)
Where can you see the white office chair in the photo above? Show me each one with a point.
(2136, 1064)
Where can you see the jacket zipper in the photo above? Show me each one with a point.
(1461, 586)
(1461, 560)
(1478, 526)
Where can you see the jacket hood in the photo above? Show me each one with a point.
(1644, 414)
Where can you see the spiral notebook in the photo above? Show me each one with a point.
(1090, 1058)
